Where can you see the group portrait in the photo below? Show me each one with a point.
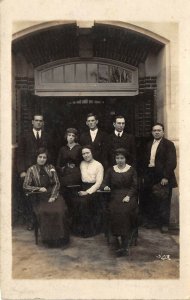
(95, 151)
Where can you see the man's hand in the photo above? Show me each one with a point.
(51, 200)
(126, 199)
(82, 193)
(164, 181)
(23, 174)
(43, 190)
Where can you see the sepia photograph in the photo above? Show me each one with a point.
(93, 155)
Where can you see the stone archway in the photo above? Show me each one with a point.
(154, 68)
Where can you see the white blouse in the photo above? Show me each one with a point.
(92, 172)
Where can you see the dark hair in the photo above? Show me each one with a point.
(123, 152)
(160, 124)
(42, 150)
(92, 115)
(118, 117)
(36, 114)
(72, 130)
(88, 147)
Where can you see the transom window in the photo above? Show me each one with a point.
(87, 72)
(101, 77)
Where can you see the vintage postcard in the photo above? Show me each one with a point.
(94, 149)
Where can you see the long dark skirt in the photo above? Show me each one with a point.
(122, 215)
(87, 214)
(52, 218)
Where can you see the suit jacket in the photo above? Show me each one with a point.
(165, 160)
(26, 155)
(126, 141)
(98, 146)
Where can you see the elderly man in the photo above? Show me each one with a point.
(159, 179)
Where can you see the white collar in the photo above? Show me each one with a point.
(118, 170)
(35, 131)
(94, 131)
(157, 141)
(117, 132)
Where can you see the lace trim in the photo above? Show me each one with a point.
(117, 170)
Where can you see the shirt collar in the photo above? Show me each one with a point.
(157, 141)
(94, 131)
(35, 131)
(117, 132)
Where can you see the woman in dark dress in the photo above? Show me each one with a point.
(42, 183)
(121, 180)
(68, 169)
(69, 159)
(87, 205)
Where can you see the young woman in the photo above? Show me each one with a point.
(70, 152)
(88, 211)
(41, 182)
(121, 180)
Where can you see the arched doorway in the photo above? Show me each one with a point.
(58, 62)
(120, 42)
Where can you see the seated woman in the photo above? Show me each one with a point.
(42, 183)
(87, 210)
(121, 179)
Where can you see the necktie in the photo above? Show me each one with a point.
(119, 135)
(37, 137)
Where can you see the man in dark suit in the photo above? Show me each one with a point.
(159, 179)
(95, 137)
(120, 139)
(28, 145)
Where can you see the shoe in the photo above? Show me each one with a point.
(122, 252)
(164, 229)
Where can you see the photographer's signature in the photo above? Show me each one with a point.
(163, 256)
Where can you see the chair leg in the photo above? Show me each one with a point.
(36, 227)
(36, 233)
(134, 237)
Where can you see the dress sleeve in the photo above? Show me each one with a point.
(99, 178)
(133, 188)
(27, 185)
(56, 183)
(107, 179)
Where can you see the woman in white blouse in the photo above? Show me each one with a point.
(88, 212)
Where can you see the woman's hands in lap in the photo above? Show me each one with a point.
(51, 200)
(43, 190)
(82, 193)
(107, 188)
(126, 199)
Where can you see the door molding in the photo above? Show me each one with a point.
(51, 79)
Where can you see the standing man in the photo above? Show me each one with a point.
(120, 139)
(28, 145)
(95, 137)
(159, 179)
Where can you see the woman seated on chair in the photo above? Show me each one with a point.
(87, 210)
(41, 182)
(121, 180)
